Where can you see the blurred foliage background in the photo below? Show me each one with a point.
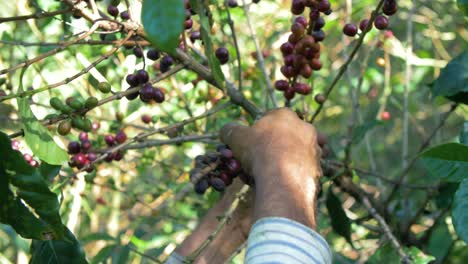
(139, 209)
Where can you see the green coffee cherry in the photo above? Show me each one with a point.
(91, 102)
(77, 122)
(75, 103)
(104, 87)
(51, 116)
(56, 103)
(87, 125)
(64, 127)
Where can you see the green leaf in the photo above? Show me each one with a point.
(339, 220)
(209, 51)
(163, 21)
(97, 236)
(448, 162)
(385, 254)
(360, 131)
(103, 254)
(460, 212)
(38, 137)
(445, 196)
(464, 134)
(66, 251)
(418, 256)
(31, 189)
(440, 241)
(453, 80)
(123, 255)
(463, 5)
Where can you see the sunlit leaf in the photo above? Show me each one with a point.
(448, 162)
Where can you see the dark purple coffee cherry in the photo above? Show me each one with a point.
(158, 95)
(217, 184)
(289, 94)
(318, 35)
(282, 85)
(297, 29)
(153, 54)
(350, 30)
(233, 165)
(85, 145)
(110, 140)
(146, 93)
(118, 156)
(132, 96)
(323, 6)
(112, 10)
(320, 23)
(390, 7)
(201, 186)
(287, 48)
(194, 36)
(232, 3)
(91, 156)
(138, 52)
(314, 14)
(188, 24)
(222, 54)
(381, 22)
(226, 178)
(132, 80)
(363, 24)
(121, 137)
(74, 147)
(83, 136)
(125, 15)
(226, 153)
(142, 76)
(297, 7)
(301, 20)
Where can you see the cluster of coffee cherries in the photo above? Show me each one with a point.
(381, 22)
(15, 145)
(301, 53)
(83, 154)
(148, 93)
(217, 169)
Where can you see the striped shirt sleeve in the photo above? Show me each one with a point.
(281, 240)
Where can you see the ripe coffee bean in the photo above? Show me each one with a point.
(132, 96)
(138, 52)
(297, 29)
(306, 71)
(132, 80)
(350, 30)
(112, 10)
(281, 85)
(74, 147)
(153, 54)
(226, 178)
(146, 119)
(233, 165)
(167, 61)
(142, 76)
(318, 35)
(125, 15)
(297, 7)
(324, 6)
(64, 128)
(83, 136)
(121, 137)
(302, 88)
(320, 98)
(85, 145)
(188, 24)
(217, 184)
(27, 157)
(146, 93)
(80, 159)
(158, 95)
(194, 36)
(222, 54)
(110, 140)
(118, 156)
(91, 156)
(385, 116)
(232, 3)
(320, 23)
(201, 186)
(287, 48)
(363, 24)
(289, 94)
(381, 22)
(301, 20)
(390, 7)
(226, 153)
(315, 64)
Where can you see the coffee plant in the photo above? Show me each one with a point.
(110, 112)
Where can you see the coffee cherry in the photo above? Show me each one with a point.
(153, 54)
(226, 178)
(80, 159)
(287, 48)
(91, 102)
(302, 88)
(142, 76)
(318, 35)
(188, 24)
(64, 128)
(222, 54)
(281, 85)
(226, 153)
(297, 29)
(194, 36)
(320, 23)
(158, 95)
(120, 137)
(385, 116)
(34, 163)
(112, 10)
(27, 157)
(110, 140)
(104, 87)
(132, 96)
(83, 136)
(125, 15)
(363, 24)
(118, 156)
(146, 93)
(381, 22)
(217, 184)
(233, 165)
(390, 7)
(132, 80)
(297, 7)
(91, 156)
(306, 71)
(201, 186)
(74, 147)
(138, 52)
(232, 3)
(350, 30)
(315, 64)
(301, 20)
(289, 94)
(167, 61)
(320, 98)
(323, 6)
(146, 119)
(85, 145)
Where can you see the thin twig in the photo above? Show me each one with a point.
(37, 15)
(177, 140)
(236, 45)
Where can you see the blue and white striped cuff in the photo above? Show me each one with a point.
(281, 240)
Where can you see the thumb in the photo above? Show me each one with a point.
(237, 137)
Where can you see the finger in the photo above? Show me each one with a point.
(321, 139)
(237, 137)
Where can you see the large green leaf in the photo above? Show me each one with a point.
(66, 251)
(339, 220)
(463, 5)
(460, 211)
(440, 241)
(163, 21)
(205, 30)
(448, 162)
(453, 80)
(38, 137)
(32, 189)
